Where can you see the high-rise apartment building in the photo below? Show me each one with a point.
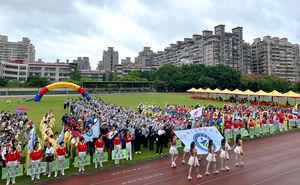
(110, 58)
(126, 62)
(21, 50)
(145, 58)
(275, 57)
(210, 48)
(83, 63)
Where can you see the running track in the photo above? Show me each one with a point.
(273, 160)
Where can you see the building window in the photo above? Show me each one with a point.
(50, 69)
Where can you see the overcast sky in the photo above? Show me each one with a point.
(65, 29)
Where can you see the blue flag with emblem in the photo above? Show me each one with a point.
(31, 141)
(94, 132)
(61, 136)
(201, 136)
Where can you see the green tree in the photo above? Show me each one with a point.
(224, 76)
(75, 74)
(133, 76)
(270, 83)
(14, 83)
(36, 81)
(250, 81)
(3, 82)
(206, 81)
(297, 87)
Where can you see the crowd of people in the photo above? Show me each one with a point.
(123, 128)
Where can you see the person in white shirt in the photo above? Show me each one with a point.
(160, 141)
(49, 159)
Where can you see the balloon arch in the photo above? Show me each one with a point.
(58, 85)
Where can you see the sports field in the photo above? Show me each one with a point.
(55, 103)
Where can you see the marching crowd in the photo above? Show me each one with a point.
(123, 128)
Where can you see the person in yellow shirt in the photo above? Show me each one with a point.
(74, 143)
(67, 138)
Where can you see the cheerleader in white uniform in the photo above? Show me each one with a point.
(174, 152)
(211, 158)
(186, 150)
(224, 155)
(239, 151)
(193, 161)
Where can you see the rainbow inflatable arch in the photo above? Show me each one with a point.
(58, 85)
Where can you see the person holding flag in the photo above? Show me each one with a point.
(12, 158)
(81, 152)
(99, 146)
(35, 157)
(61, 152)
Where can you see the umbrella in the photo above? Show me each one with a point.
(19, 111)
(22, 108)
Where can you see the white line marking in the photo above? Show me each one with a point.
(225, 176)
(249, 169)
(117, 178)
(276, 176)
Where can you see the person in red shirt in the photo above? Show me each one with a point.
(128, 138)
(117, 146)
(99, 146)
(235, 128)
(264, 125)
(35, 158)
(81, 151)
(241, 124)
(251, 128)
(61, 152)
(281, 121)
(12, 158)
(227, 127)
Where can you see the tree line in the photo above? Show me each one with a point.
(182, 78)
(172, 78)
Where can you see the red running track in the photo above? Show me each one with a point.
(268, 161)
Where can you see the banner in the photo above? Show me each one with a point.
(97, 158)
(119, 154)
(258, 131)
(178, 143)
(61, 136)
(36, 168)
(201, 136)
(272, 129)
(12, 171)
(56, 165)
(244, 133)
(79, 161)
(31, 141)
(228, 135)
(292, 123)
